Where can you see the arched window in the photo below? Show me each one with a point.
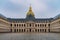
(45, 30)
(42, 30)
(45, 25)
(19, 30)
(35, 25)
(30, 25)
(24, 25)
(24, 30)
(35, 30)
(19, 25)
(38, 30)
(49, 25)
(15, 25)
(11, 25)
(38, 25)
(59, 22)
(30, 30)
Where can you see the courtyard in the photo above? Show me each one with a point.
(29, 36)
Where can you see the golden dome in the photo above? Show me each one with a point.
(30, 12)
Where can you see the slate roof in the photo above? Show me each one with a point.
(3, 17)
(24, 20)
(56, 17)
(30, 19)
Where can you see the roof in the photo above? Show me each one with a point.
(24, 20)
(30, 19)
(44, 19)
(15, 19)
(3, 17)
(56, 17)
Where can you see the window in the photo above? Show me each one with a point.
(45, 30)
(38, 25)
(15, 25)
(35, 30)
(45, 25)
(42, 25)
(35, 25)
(42, 30)
(30, 30)
(19, 25)
(59, 22)
(19, 30)
(24, 25)
(24, 30)
(30, 25)
(49, 25)
(38, 30)
(11, 25)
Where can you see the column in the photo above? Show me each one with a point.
(47, 28)
(12, 27)
(18, 29)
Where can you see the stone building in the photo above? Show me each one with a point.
(4, 24)
(30, 24)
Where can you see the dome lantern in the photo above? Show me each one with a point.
(30, 12)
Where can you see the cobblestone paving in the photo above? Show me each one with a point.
(37, 36)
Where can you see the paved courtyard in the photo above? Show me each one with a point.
(37, 36)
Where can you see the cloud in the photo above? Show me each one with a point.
(38, 6)
(19, 8)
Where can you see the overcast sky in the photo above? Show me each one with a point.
(19, 8)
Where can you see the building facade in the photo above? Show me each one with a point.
(30, 24)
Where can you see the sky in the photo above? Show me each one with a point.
(19, 8)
